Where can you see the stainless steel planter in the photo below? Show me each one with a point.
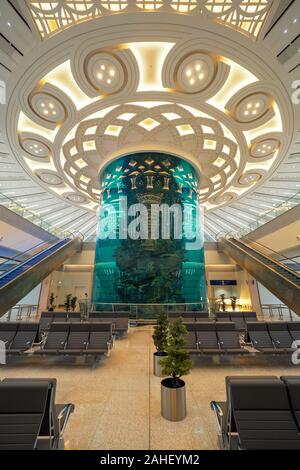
(173, 400)
(157, 368)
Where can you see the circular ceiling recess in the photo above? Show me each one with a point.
(195, 73)
(47, 107)
(105, 92)
(105, 72)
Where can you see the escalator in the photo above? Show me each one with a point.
(18, 276)
(278, 274)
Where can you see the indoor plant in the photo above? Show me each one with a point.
(233, 302)
(67, 303)
(160, 337)
(73, 303)
(51, 302)
(176, 364)
(223, 303)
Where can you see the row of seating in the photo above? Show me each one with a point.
(118, 319)
(62, 338)
(239, 318)
(29, 417)
(77, 339)
(260, 413)
(213, 338)
(270, 337)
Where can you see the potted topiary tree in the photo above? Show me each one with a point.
(223, 303)
(176, 364)
(67, 303)
(51, 302)
(160, 337)
(73, 303)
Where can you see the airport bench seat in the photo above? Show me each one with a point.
(29, 417)
(228, 338)
(256, 415)
(280, 335)
(24, 338)
(7, 332)
(77, 339)
(56, 338)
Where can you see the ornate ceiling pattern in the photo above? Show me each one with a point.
(88, 96)
(246, 16)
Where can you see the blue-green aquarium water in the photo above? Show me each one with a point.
(149, 246)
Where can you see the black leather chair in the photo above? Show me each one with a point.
(77, 339)
(207, 340)
(29, 417)
(256, 415)
(100, 339)
(229, 339)
(24, 339)
(280, 336)
(55, 339)
(258, 334)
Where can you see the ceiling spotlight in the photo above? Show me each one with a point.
(46, 111)
(108, 81)
(43, 105)
(188, 73)
(285, 31)
(257, 105)
(192, 81)
(249, 105)
(8, 24)
(100, 76)
(201, 76)
(51, 105)
(112, 72)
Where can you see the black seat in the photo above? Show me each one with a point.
(60, 317)
(7, 332)
(201, 316)
(120, 320)
(293, 386)
(259, 336)
(77, 339)
(223, 316)
(24, 339)
(280, 335)
(104, 317)
(238, 319)
(100, 339)
(191, 338)
(229, 338)
(207, 338)
(224, 413)
(56, 338)
(29, 418)
(250, 316)
(46, 320)
(262, 415)
(294, 329)
(74, 317)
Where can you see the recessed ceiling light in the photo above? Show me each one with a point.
(8, 24)
(285, 31)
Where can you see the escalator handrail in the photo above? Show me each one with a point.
(280, 255)
(226, 240)
(66, 240)
(10, 259)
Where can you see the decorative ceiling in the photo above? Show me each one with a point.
(246, 16)
(176, 83)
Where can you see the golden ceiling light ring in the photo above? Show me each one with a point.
(37, 148)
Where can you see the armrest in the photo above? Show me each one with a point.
(63, 417)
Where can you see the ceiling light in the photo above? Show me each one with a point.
(185, 129)
(149, 124)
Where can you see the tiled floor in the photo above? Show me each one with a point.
(117, 404)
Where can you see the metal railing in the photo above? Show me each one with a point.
(21, 312)
(278, 312)
(34, 218)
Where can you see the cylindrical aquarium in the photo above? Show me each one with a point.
(149, 246)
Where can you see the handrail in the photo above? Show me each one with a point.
(33, 257)
(10, 259)
(37, 220)
(267, 266)
(280, 255)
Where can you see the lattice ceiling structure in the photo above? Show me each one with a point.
(195, 81)
(51, 17)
